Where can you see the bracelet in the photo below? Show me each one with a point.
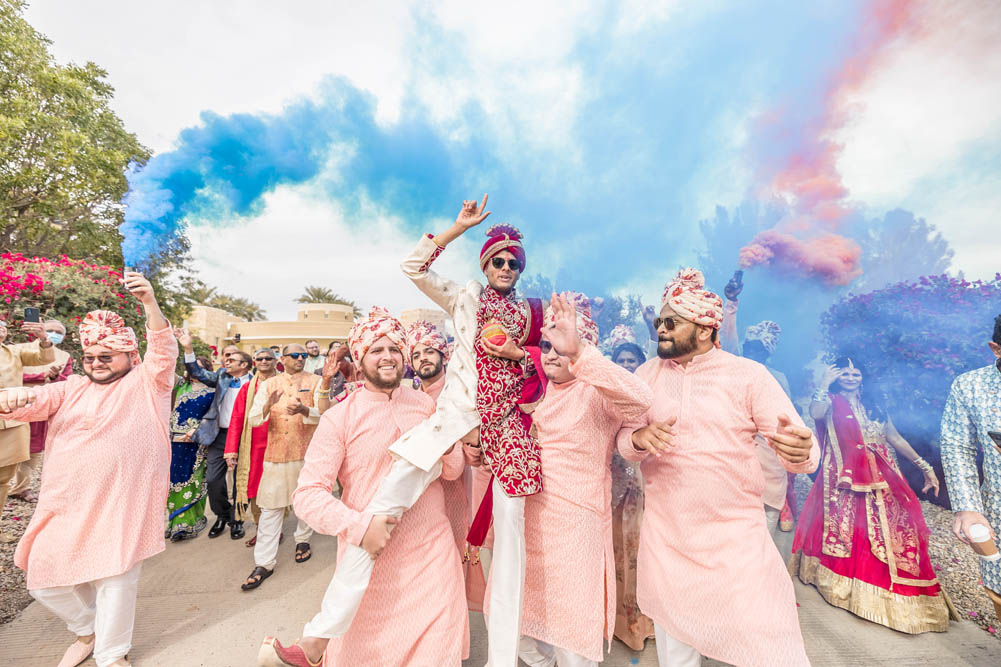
(923, 465)
(323, 394)
(821, 396)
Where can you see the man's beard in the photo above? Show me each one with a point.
(114, 377)
(424, 375)
(679, 348)
(383, 384)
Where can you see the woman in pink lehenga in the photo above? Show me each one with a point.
(861, 539)
(631, 626)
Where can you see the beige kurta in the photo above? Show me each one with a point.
(288, 435)
(14, 435)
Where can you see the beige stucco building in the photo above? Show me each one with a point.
(325, 322)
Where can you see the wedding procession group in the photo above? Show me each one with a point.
(618, 496)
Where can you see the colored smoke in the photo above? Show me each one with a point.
(833, 258)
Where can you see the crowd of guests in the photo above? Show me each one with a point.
(625, 488)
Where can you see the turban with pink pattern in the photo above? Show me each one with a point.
(425, 333)
(687, 296)
(586, 327)
(621, 334)
(103, 327)
(378, 324)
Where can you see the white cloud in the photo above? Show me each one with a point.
(169, 61)
(300, 239)
(935, 101)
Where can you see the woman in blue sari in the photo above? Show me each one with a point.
(187, 495)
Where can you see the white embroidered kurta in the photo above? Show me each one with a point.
(456, 413)
(570, 569)
(707, 569)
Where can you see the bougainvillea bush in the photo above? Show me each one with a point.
(914, 338)
(64, 290)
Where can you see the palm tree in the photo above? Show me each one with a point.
(238, 306)
(314, 294)
(202, 294)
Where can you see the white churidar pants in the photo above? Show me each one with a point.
(537, 653)
(673, 653)
(397, 492)
(269, 533)
(105, 608)
(507, 579)
(772, 520)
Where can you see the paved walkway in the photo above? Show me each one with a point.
(193, 613)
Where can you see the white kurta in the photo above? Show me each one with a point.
(456, 413)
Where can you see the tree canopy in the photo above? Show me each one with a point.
(314, 294)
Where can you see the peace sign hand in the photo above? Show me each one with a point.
(471, 214)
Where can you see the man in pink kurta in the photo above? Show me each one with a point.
(413, 609)
(104, 485)
(708, 573)
(569, 605)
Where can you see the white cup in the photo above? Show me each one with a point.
(980, 535)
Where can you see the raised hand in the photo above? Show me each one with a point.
(562, 331)
(656, 438)
(139, 286)
(471, 214)
(330, 367)
(733, 289)
(790, 441)
(184, 338)
(831, 373)
(649, 315)
(35, 329)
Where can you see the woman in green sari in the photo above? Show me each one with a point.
(187, 495)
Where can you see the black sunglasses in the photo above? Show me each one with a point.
(545, 346)
(103, 358)
(296, 355)
(499, 262)
(264, 359)
(668, 323)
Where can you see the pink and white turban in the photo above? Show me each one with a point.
(425, 333)
(586, 327)
(767, 332)
(620, 335)
(687, 296)
(103, 327)
(379, 323)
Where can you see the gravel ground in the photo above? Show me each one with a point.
(13, 594)
(956, 564)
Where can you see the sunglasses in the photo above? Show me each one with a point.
(103, 358)
(259, 359)
(296, 355)
(545, 346)
(667, 322)
(499, 262)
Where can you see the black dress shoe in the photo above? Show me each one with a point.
(218, 527)
(236, 529)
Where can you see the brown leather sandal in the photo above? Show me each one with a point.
(261, 573)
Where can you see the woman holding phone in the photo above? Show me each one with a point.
(861, 539)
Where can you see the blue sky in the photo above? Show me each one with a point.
(313, 146)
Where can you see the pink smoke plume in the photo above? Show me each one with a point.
(805, 174)
(832, 258)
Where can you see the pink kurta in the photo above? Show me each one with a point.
(570, 570)
(414, 611)
(457, 502)
(106, 473)
(708, 572)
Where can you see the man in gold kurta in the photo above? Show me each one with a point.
(291, 404)
(15, 435)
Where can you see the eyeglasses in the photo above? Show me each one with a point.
(499, 262)
(545, 346)
(103, 358)
(296, 355)
(260, 359)
(668, 323)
